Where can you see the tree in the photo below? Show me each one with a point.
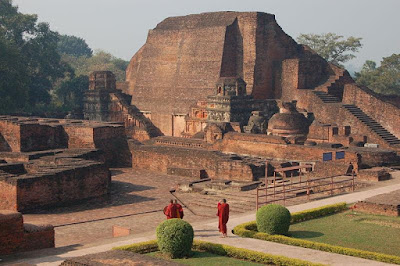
(101, 60)
(70, 92)
(384, 79)
(30, 61)
(75, 46)
(332, 47)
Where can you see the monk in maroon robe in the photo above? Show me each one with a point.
(171, 211)
(223, 215)
(179, 209)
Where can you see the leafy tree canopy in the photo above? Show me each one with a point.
(29, 61)
(72, 45)
(101, 60)
(332, 47)
(384, 79)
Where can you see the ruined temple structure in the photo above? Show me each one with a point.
(185, 58)
(288, 122)
(49, 162)
(103, 102)
(230, 94)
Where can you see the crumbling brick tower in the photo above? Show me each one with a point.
(183, 58)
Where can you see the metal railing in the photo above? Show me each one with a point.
(292, 189)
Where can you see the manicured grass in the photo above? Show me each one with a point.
(353, 230)
(206, 258)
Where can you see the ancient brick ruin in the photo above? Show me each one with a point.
(232, 93)
(17, 236)
(387, 204)
(48, 162)
(226, 97)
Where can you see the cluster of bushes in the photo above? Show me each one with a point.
(250, 230)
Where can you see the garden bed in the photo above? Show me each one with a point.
(332, 233)
(242, 255)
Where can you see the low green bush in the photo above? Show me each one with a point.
(318, 212)
(224, 250)
(273, 219)
(175, 238)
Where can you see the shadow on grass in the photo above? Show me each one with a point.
(305, 234)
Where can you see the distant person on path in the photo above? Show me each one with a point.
(171, 210)
(223, 215)
(179, 209)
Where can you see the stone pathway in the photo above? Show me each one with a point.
(207, 231)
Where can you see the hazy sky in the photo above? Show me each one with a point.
(121, 26)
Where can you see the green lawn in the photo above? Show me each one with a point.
(206, 258)
(354, 230)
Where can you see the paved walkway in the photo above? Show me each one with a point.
(208, 232)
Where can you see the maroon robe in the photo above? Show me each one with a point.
(223, 215)
(171, 211)
(179, 211)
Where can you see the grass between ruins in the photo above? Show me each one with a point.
(207, 253)
(336, 229)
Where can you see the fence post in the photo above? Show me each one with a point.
(266, 192)
(274, 183)
(352, 184)
(257, 199)
(331, 185)
(284, 198)
(308, 188)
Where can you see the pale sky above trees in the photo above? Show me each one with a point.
(120, 26)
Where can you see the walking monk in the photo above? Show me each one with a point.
(179, 209)
(223, 215)
(171, 211)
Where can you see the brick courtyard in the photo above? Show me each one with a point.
(136, 201)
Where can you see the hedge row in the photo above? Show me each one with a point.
(250, 230)
(142, 247)
(224, 250)
(318, 212)
(307, 214)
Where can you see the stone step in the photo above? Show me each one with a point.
(372, 124)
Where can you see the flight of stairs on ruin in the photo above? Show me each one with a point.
(326, 98)
(331, 91)
(372, 124)
(134, 113)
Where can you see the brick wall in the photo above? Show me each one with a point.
(8, 194)
(68, 181)
(11, 231)
(264, 146)
(376, 208)
(217, 166)
(383, 112)
(15, 236)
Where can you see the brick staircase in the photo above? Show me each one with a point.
(374, 126)
(134, 113)
(326, 98)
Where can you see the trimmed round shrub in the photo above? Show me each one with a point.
(175, 238)
(273, 219)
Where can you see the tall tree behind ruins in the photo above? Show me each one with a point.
(41, 71)
(29, 61)
(384, 79)
(332, 47)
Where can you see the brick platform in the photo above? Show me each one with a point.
(384, 204)
(15, 236)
